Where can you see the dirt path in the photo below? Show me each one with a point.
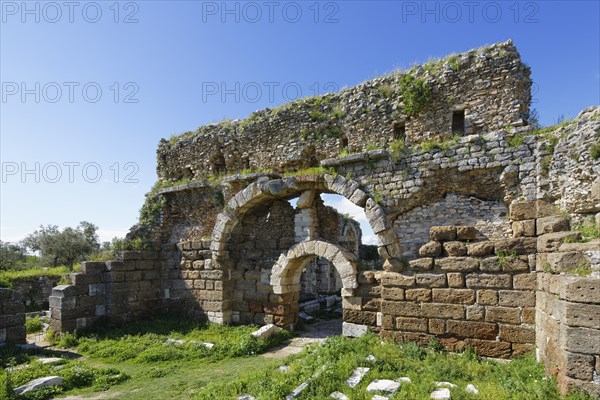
(314, 333)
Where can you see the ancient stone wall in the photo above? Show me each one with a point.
(115, 291)
(490, 86)
(12, 317)
(35, 292)
(458, 267)
(489, 217)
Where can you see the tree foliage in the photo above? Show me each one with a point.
(64, 247)
(10, 254)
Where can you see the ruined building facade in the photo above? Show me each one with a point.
(472, 210)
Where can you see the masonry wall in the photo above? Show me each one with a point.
(490, 84)
(12, 317)
(113, 291)
(461, 291)
(35, 292)
(489, 217)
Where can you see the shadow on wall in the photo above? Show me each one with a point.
(490, 217)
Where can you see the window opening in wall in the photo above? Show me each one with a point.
(458, 122)
(399, 130)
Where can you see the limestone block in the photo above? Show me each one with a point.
(397, 279)
(480, 249)
(580, 289)
(551, 224)
(431, 280)
(490, 348)
(550, 242)
(418, 294)
(466, 232)
(306, 199)
(516, 298)
(567, 261)
(508, 315)
(353, 330)
(473, 329)
(578, 366)
(592, 245)
(517, 333)
(581, 340)
(440, 394)
(440, 310)
(486, 281)
(518, 246)
(523, 228)
(442, 233)
(383, 385)
(460, 264)
(430, 249)
(421, 264)
(39, 383)
(357, 376)
(455, 248)
(453, 296)
(411, 324)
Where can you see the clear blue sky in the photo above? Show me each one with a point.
(173, 56)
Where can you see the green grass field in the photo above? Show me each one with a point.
(137, 361)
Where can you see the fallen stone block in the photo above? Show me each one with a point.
(339, 396)
(246, 396)
(357, 376)
(471, 389)
(39, 383)
(383, 385)
(353, 330)
(266, 331)
(441, 394)
(445, 385)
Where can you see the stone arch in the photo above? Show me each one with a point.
(265, 189)
(286, 273)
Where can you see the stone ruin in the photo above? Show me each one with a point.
(472, 209)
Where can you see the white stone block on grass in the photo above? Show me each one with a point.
(445, 385)
(441, 394)
(378, 397)
(266, 331)
(39, 383)
(370, 358)
(404, 379)
(353, 330)
(339, 396)
(246, 396)
(471, 389)
(383, 385)
(357, 376)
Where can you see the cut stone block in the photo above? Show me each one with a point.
(383, 385)
(339, 396)
(357, 376)
(39, 383)
(471, 389)
(266, 331)
(353, 330)
(441, 394)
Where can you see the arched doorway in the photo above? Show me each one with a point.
(256, 248)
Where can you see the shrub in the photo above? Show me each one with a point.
(595, 151)
(33, 325)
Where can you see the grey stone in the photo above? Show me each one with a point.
(383, 385)
(357, 376)
(39, 383)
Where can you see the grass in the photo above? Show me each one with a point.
(436, 143)
(8, 277)
(521, 379)
(516, 140)
(588, 229)
(134, 362)
(312, 171)
(33, 325)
